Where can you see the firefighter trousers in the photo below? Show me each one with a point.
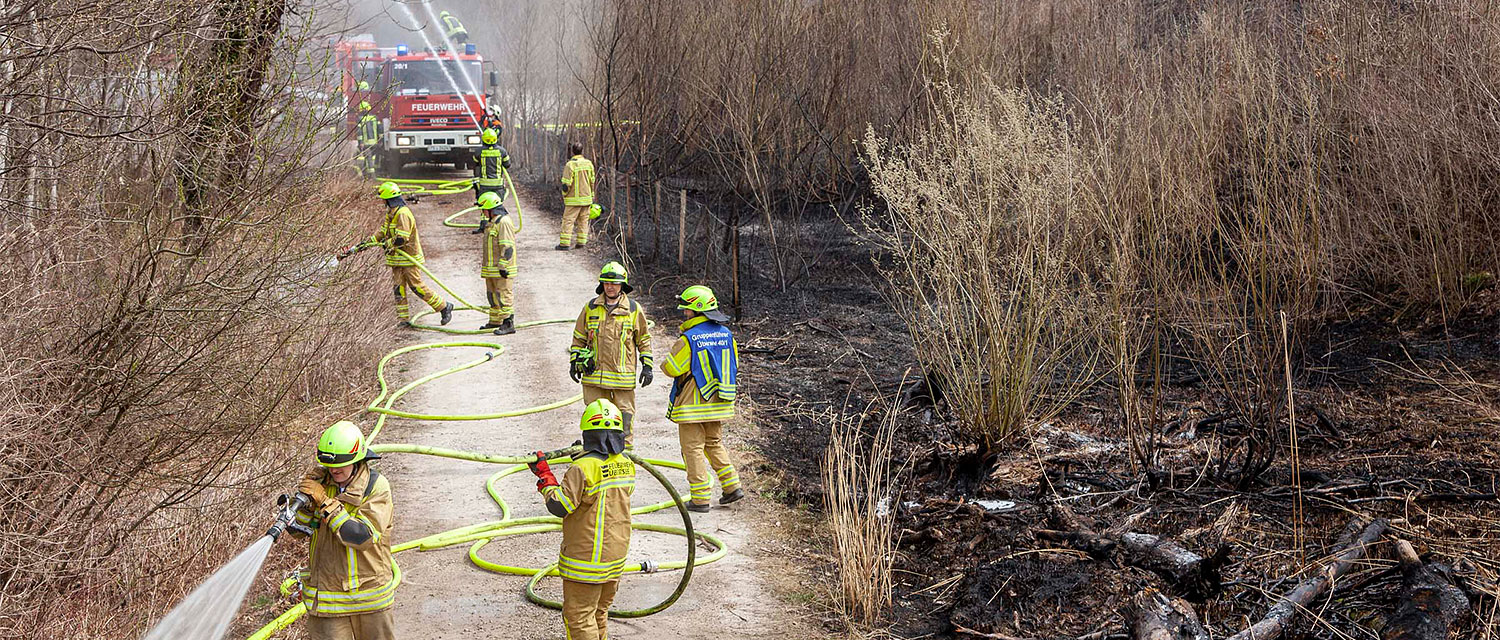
(379, 625)
(586, 608)
(701, 443)
(409, 280)
(575, 226)
(365, 161)
(497, 292)
(624, 400)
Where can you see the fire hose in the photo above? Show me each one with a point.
(479, 535)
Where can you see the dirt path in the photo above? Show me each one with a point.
(446, 596)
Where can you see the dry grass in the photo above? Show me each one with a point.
(860, 501)
(175, 335)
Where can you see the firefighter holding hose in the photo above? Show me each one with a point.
(490, 166)
(593, 501)
(704, 366)
(350, 580)
(403, 252)
(611, 348)
(499, 265)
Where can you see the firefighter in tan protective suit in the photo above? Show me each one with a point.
(704, 365)
(593, 500)
(499, 265)
(578, 199)
(611, 348)
(403, 252)
(350, 580)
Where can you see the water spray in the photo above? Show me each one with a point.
(417, 25)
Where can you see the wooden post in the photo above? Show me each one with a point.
(681, 225)
(612, 210)
(629, 212)
(656, 223)
(708, 240)
(734, 266)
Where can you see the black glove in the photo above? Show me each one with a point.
(505, 273)
(483, 223)
(575, 374)
(646, 375)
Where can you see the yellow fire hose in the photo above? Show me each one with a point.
(482, 533)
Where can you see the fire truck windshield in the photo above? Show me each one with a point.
(426, 75)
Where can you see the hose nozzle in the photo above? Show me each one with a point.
(286, 517)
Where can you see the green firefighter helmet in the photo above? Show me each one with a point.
(388, 190)
(701, 299)
(341, 445)
(488, 200)
(490, 136)
(601, 414)
(364, 106)
(363, 85)
(698, 298)
(614, 272)
(595, 210)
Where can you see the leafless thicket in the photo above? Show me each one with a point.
(1242, 174)
(174, 330)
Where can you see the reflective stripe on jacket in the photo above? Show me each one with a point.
(618, 337)
(499, 249)
(399, 223)
(596, 532)
(704, 384)
(490, 165)
(344, 577)
(369, 130)
(578, 182)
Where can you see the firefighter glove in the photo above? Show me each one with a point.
(329, 509)
(504, 273)
(540, 467)
(543, 472)
(317, 496)
(646, 375)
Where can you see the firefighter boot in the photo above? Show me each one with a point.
(732, 496)
(506, 328)
(697, 508)
(447, 313)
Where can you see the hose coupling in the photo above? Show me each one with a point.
(648, 566)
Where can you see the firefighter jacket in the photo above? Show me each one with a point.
(453, 29)
(490, 166)
(499, 249)
(704, 366)
(349, 566)
(618, 336)
(369, 130)
(578, 182)
(399, 224)
(595, 494)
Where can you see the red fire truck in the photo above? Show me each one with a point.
(427, 102)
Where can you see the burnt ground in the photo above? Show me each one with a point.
(1397, 417)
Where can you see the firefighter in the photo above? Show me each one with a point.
(369, 135)
(350, 580)
(704, 366)
(609, 339)
(578, 197)
(490, 166)
(403, 252)
(499, 264)
(453, 29)
(593, 500)
(491, 120)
